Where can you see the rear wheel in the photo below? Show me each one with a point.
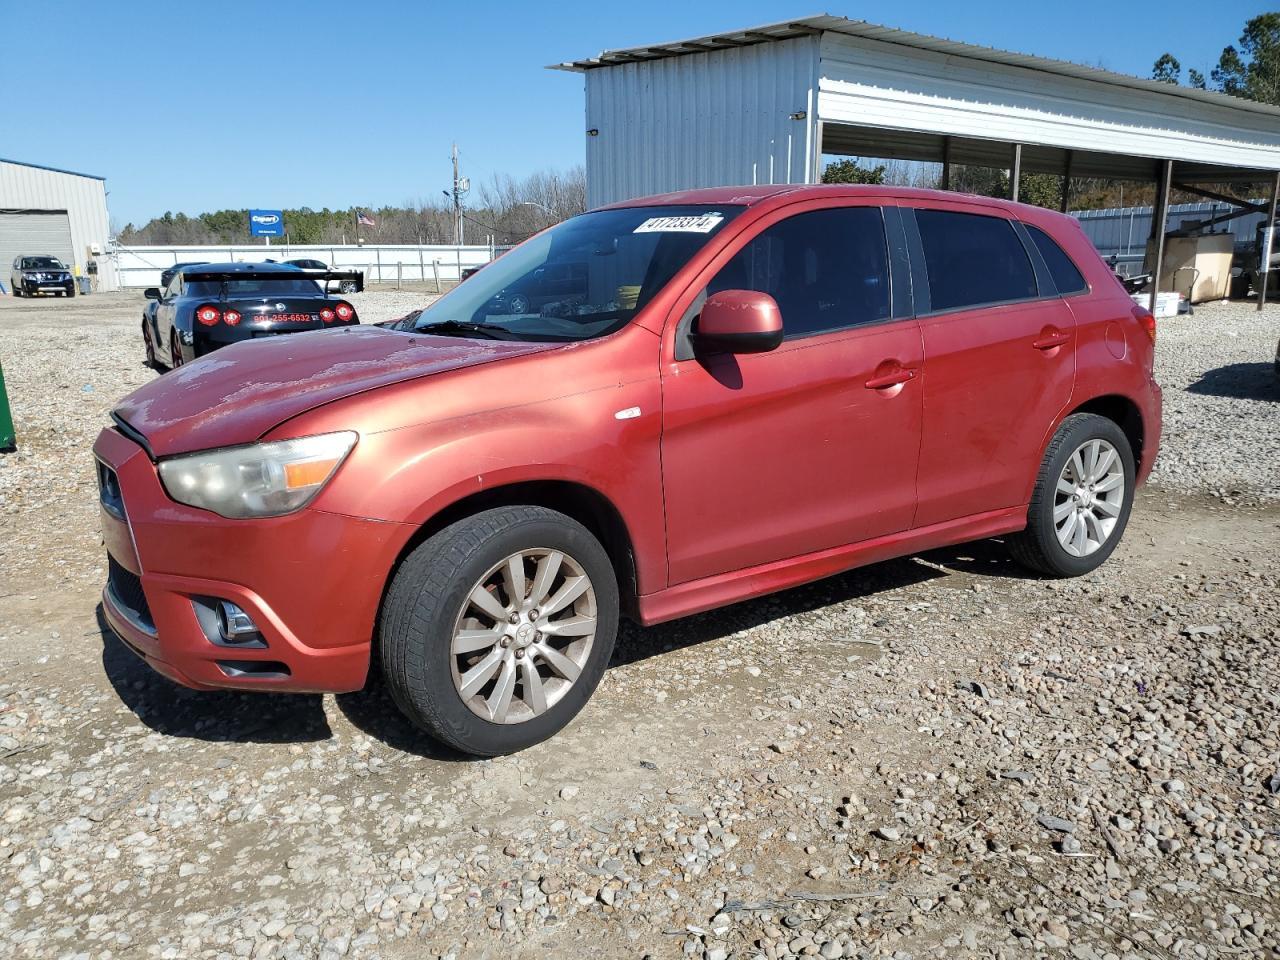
(175, 351)
(497, 630)
(1082, 499)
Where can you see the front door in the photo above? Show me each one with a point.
(815, 444)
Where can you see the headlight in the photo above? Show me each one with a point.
(257, 480)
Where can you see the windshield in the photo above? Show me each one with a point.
(583, 278)
(246, 289)
(42, 263)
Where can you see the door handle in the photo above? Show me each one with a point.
(1051, 340)
(884, 381)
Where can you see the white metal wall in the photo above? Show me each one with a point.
(707, 119)
(141, 266)
(84, 198)
(878, 84)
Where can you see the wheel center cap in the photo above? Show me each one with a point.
(524, 635)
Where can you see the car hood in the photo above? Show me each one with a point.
(242, 391)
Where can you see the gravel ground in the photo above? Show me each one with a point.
(936, 756)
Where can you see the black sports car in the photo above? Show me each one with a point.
(208, 306)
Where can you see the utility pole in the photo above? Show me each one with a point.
(460, 186)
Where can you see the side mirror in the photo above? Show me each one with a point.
(738, 321)
(151, 293)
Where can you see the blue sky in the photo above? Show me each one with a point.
(194, 107)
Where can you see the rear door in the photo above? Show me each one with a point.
(812, 445)
(1000, 358)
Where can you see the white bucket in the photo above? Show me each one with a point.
(1166, 303)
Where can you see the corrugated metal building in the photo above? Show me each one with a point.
(44, 210)
(762, 105)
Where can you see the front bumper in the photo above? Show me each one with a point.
(35, 286)
(311, 582)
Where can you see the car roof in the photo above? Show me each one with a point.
(749, 196)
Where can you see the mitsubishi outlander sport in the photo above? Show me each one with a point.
(733, 392)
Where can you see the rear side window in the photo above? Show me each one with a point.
(973, 260)
(827, 269)
(1066, 277)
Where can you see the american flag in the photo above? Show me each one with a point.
(364, 219)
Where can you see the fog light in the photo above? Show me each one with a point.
(234, 624)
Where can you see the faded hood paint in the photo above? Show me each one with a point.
(239, 393)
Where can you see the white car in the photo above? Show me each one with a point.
(319, 266)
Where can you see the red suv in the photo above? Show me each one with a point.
(744, 389)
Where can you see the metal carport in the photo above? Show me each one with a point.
(764, 104)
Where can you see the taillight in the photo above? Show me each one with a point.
(326, 315)
(208, 315)
(1148, 321)
(344, 311)
(232, 317)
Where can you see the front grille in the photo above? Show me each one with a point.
(126, 589)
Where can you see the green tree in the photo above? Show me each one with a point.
(1250, 69)
(848, 171)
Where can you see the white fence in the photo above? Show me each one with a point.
(141, 266)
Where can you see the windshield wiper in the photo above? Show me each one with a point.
(446, 327)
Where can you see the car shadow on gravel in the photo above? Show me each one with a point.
(216, 717)
(1240, 381)
(636, 643)
(374, 713)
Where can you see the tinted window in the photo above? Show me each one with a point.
(1066, 277)
(973, 260)
(828, 269)
(254, 288)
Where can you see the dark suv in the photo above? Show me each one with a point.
(33, 275)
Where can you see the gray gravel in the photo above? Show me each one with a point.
(936, 756)
(1221, 402)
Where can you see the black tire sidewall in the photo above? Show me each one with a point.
(1081, 430)
(435, 703)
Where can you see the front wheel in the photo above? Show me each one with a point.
(149, 345)
(497, 630)
(1082, 498)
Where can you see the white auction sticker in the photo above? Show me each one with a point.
(703, 223)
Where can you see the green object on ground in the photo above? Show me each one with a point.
(8, 440)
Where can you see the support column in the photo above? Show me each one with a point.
(1264, 255)
(1066, 182)
(1159, 216)
(946, 163)
(1015, 174)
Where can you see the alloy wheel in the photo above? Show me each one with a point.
(1089, 497)
(175, 352)
(523, 636)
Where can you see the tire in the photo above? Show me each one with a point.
(1040, 546)
(17, 289)
(175, 351)
(429, 602)
(149, 346)
(71, 291)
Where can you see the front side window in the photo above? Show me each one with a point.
(1066, 275)
(583, 278)
(973, 260)
(827, 269)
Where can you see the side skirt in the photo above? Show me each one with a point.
(726, 588)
